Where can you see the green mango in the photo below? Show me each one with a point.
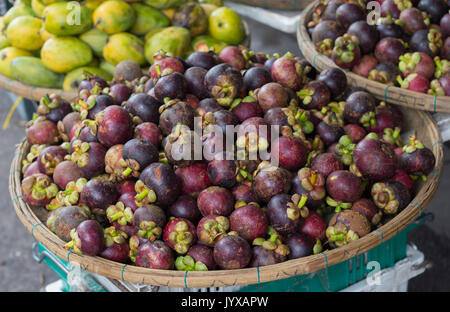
(73, 78)
(38, 7)
(63, 54)
(152, 32)
(124, 46)
(174, 40)
(31, 71)
(164, 4)
(6, 56)
(67, 19)
(107, 67)
(96, 39)
(4, 42)
(147, 18)
(25, 2)
(191, 16)
(114, 16)
(209, 8)
(47, 2)
(92, 4)
(214, 2)
(24, 33)
(17, 10)
(45, 35)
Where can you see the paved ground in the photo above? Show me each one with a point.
(19, 272)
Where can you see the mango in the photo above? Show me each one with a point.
(31, 71)
(209, 8)
(107, 67)
(213, 2)
(24, 33)
(6, 56)
(124, 46)
(174, 40)
(163, 4)
(152, 32)
(63, 54)
(45, 35)
(19, 9)
(38, 7)
(147, 18)
(4, 42)
(47, 2)
(169, 13)
(25, 2)
(191, 16)
(92, 4)
(96, 40)
(114, 16)
(67, 18)
(73, 78)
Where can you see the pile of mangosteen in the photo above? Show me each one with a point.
(404, 43)
(104, 166)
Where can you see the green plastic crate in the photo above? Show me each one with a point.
(59, 266)
(62, 268)
(346, 273)
(333, 278)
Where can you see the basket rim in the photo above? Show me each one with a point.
(221, 278)
(36, 93)
(384, 92)
(31, 92)
(269, 4)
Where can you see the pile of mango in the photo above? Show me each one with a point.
(54, 43)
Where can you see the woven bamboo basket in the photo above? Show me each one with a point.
(32, 93)
(276, 4)
(36, 93)
(389, 94)
(421, 123)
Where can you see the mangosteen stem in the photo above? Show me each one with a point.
(317, 247)
(413, 145)
(127, 172)
(400, 82)
(414, 177)
(95, 90)
(302, 201)
(273, 238)
(158, 70)
(69, 244)
(46, 99)
(337, 237)
(142, 195)
(235, 103)
(313, 178)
